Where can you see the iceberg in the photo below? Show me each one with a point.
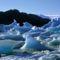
(43, 43)
(11, 35)
(32, 43)
(33, 32)
(53, 23)
(7, 46)
(27, 25)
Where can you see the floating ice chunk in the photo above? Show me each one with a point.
(7, 46)
(34, 28)
(52, 23)
(47, 58)
(32, 43)
(13, 32)
(56, 22)
(33, 32)
(54, 29)
(22, 29)
(50, 57)
(50, 31)
(12, 37)
(12, 25)
(54, 43)
(27, 25)
(5, 28)
(17, 37)
(2, 28)
(47, 25)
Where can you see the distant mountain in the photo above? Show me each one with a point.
(7, 17)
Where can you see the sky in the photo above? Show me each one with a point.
(45, 7)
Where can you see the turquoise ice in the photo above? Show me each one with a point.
(7, 46)
(32, 43)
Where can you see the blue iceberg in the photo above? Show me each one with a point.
(7, 46)
(32, 43)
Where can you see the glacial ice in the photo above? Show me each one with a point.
(38, 41)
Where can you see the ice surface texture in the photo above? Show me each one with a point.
(42, 43)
